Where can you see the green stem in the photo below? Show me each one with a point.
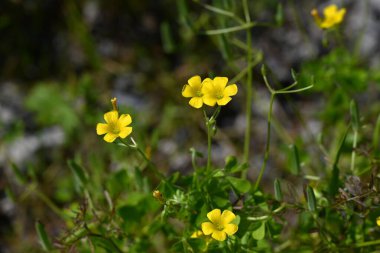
(353, 154)
(266, 155)
(210, 123)
(151, 165)
(247, 137)
(208, 146)
(50, 204)
(366, 244)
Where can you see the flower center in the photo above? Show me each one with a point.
(198, 93)
(219, 95)
(114, 128)
(219, 226)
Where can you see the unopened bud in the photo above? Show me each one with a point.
(315, 14)
(114, 104)
(158, 195)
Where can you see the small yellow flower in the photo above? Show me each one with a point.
(332, 16)
(115, 126)
(193, 90)
(197, 234)
(217, 91)
(220, 225)
(378, 221)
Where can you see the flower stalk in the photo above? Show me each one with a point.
(247, 136)
(211, 130)
(273, 92)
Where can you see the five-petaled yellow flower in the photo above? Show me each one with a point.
(332, 16)
(378, 221)
(208, 91)
(220, 225)
(115, 126)
(217, 91)
(193, 90)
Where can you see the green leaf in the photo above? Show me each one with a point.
(18, 174)
(79, 173)
(259, 233)
(224, 47)
(334, 181)
(279, 15)
(295, 160)
(104, 243)
(311, 202)
(231, 162)
(218, 173)
(277, 190)
(241, 185)
(167, 38)
(43, 237)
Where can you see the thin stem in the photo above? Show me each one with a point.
(366, 244)
(151, 165)
(265, 217)
(247, 137)
(220, 11)
(266, 155)
(231, 29)
(353, 154)
(208, 123)
(50, 204)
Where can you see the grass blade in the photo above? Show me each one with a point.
(43, 237)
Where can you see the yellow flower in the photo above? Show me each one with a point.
(332, 16)
(220, 225)
(217, 91)
(115, 126)
(378, 221)
(193, 90)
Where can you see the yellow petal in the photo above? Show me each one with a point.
(230, 229)
(340, 15)
(227, 217)
(378, 221)
(187, 91)
(208, 86)
(125, 120)
(208, 228)
(196, 102)
(220, 82)
(111, 116)
(125, 132)
(110, 137)
(214, 216)
(326, 24)
(230, 90)
(219, 235)
(209, 100)
(101, 128)
(330, 10)
(223, 101)
(195, 82)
